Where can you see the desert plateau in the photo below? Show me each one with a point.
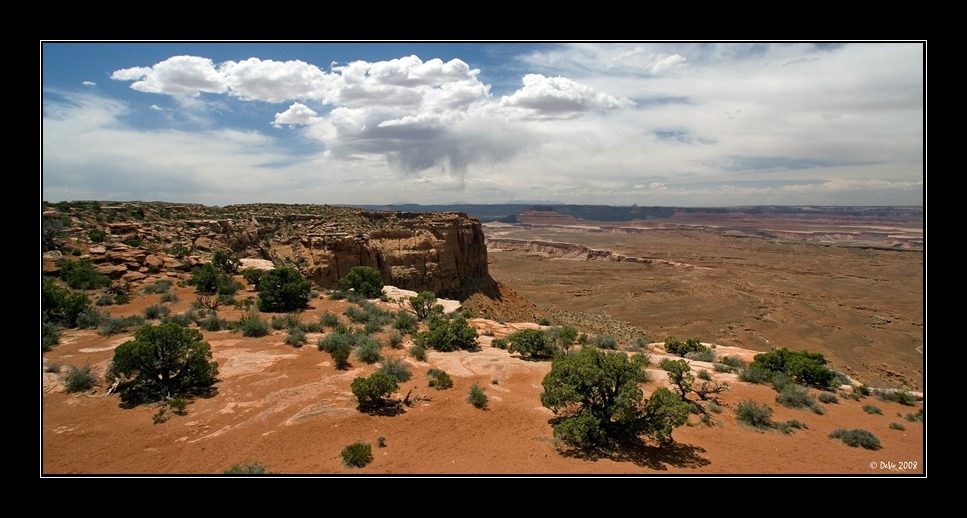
(355, 259)
(743, 284)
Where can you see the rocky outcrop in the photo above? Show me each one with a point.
(560, 250)
(443, 252)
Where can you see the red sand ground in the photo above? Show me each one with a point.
(293, 411)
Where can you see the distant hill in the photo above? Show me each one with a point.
(508, 211)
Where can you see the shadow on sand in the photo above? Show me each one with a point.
(640, 454)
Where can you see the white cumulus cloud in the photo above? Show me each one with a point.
(559, 97)
(178, 75)
(298, 113)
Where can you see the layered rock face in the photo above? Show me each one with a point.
(443, 253)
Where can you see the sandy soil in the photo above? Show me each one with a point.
(293, 411)
(862, 308)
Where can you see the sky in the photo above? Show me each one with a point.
(622, 123)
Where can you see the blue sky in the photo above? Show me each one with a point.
(602, 123)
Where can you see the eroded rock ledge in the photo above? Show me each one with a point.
(442, 252)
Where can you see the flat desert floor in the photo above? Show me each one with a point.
(861, 307)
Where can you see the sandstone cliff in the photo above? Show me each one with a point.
(444, 253)
(441, 252)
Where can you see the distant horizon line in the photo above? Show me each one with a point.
(545, 203)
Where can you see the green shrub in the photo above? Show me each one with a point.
(679, 374)
(60, 306)
(733, 361)
(418, 352)
(562, 337)
(640, 344)
(184, 319)
(597, 396)
(370, 315)
(804, 367)
(213, 323)
(897, 426)
(395, 340)
(896, 396)
(370, 391)
(754, 374)
(828, 398)
(296, 337)
(787, 427)
(872, 410)
(856, 438)
(104, 300)
(329, 320)
(779, 381)
(49, 337)
(178, 251)
(251, 325)
(448, 335)
(356, 315)
(163, 361)
(364, 281)
(283, 289)
(340, 356)
(162, 286)
(312, 327)
(114, 326)
(753, 414)
(681, 349)
(397, 369)
(368, 349)
(439, 379)
(337, 295)
(357, 455)
(604, 342)
(915, 418)
(701, 356)
(721, 367)
(253, 468)
(226, 290)
(169, 297)
(500, 343)
(287, 321)
(532, 343)
(91, 318)
(333, 340)
(156, 311)
(477, 397)
(207, 278)
(96, 235)
(81, 275)
(793, 396)
(839, 379)
(79, 379)
(226, 261)
(704, 375)
(423, 304)
(252, 276)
